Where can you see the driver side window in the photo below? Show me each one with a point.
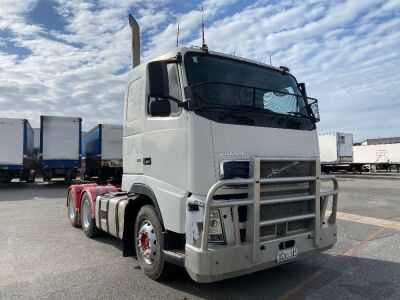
(174, 89)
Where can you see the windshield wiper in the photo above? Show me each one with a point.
(244, 120)
(229, 111)
(251, 108)
(296, 113)
(204, 107)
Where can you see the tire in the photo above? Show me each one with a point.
(84, 176)
(149, 255)
(88, 224)
(73, 216)
(32, 176)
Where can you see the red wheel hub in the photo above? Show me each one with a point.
(144, 242)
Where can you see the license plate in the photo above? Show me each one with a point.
(287, 254)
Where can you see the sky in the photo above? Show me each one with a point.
(72, 57)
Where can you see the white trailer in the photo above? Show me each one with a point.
(16, 150)
(60, 146)
(375, 154)
(336, 151)
(336, 147)
(221, 168)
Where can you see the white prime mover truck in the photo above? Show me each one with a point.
(60, 147)
(16, 150)
(221, 168)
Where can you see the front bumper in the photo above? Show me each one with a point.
(209, 262)
(232, 261)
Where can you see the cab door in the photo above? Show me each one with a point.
(133, 123)
(165, 138)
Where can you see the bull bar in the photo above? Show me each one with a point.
(254, 200)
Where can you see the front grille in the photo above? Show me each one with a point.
(240, 169)
(284, 228)
(283, 210)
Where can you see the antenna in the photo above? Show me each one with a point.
(203, 46)
(270, 58)
(177, 36)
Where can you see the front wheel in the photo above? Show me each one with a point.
(148, 243)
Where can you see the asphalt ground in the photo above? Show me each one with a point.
(42, 256)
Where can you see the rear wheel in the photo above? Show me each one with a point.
(72, 213)
(148, 243)
(88, 223)
(31, 176)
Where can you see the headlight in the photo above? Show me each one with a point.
(234, 169)
(216, 232)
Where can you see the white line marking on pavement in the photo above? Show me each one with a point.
(367, 220)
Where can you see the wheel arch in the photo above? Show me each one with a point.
(147, 192)
(145, 196)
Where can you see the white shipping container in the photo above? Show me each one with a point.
(12, 141)
(111, 144)
(336, 147)
(60, 138)
(377, 153)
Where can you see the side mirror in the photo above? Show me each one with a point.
(302, 88)
(311, 103)
(157, 80)
(160, 108)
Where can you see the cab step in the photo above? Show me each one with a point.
(175, 256)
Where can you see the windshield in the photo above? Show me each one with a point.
(223, 82)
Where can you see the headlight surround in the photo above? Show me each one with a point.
(216, 229)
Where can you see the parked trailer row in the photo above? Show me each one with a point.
(337, 153)
(62, 150)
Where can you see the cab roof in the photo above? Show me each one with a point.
(182, 50)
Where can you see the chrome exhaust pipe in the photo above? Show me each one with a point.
(135, 41)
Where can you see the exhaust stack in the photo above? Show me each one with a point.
(135, 41)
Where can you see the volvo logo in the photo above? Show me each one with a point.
(275, 172)
(230, 153)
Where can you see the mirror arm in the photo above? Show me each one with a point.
(184, 104)
(174, 99)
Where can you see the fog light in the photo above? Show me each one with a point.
(216, 232)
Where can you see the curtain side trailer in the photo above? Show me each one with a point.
(102, 153)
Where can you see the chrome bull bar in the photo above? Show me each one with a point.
(254, 201)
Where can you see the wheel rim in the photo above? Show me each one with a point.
(71, 207)
(147, 242)
(86, 214)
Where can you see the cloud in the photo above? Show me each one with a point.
(346, 51)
